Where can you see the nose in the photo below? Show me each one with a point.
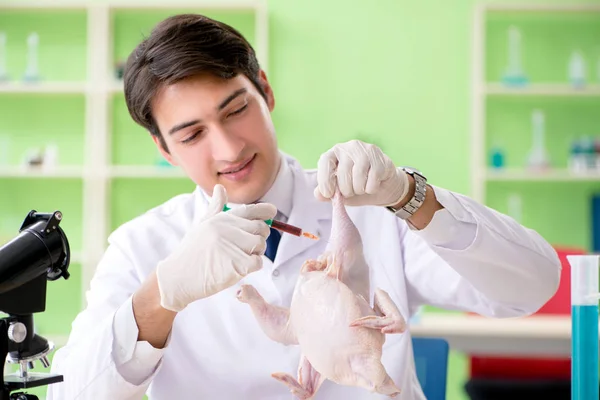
(226, 146)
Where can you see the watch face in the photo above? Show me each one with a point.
(411, 169)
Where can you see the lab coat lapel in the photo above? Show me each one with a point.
(307, 213)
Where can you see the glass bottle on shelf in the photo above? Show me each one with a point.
(514, 75)
(31, 70)
(3, 70)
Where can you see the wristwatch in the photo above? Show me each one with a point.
(418, 198)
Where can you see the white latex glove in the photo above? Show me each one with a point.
(216, 253)
(363, 173)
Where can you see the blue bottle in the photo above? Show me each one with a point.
(584, 327)
(497, 157)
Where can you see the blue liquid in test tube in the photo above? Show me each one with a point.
(584, 325)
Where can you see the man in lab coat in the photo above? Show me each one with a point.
(162, 315)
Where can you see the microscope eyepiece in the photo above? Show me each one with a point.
(41, 247)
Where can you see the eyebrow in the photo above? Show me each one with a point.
(231, 97)
(183, 125)
(223, 104)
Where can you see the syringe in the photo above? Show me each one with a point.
(287, 228)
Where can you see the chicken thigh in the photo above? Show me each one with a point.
(340, 335)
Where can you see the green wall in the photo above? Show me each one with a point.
(396, 73)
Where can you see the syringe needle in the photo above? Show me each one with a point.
(310, 236)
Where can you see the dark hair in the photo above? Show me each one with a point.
(180, 47)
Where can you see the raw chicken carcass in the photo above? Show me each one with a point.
(340, 335)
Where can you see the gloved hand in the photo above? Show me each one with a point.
(363, 173)
(216, 253)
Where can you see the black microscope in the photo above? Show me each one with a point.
(40, 253)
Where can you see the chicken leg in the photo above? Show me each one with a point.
(388, 318)
(308, 383)
(273, 320)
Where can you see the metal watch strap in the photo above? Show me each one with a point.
(418, 198)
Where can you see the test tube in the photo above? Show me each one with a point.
(584, 326)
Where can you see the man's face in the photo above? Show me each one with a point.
(220, 131)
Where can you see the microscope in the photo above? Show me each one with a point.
(40, 253)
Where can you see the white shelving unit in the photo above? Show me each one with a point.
(146, 172)
(46, 87)
(554, 175)
(98, 89)
(58, 172)
(537, 89)
(132, 172)
(482, 90)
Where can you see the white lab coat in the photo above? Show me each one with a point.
(469, 258)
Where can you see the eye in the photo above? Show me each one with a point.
(192, 137)
(238, 111)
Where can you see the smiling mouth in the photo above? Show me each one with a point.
(238, 169)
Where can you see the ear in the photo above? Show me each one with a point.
(262, 78)
(163, 151)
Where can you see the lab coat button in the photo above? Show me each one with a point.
(276, 273)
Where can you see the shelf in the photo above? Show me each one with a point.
(135, 5)
(541, 7)
(542, 89)
(43, 87)
(555, 175)
(115, 86)
(78, 172)
(146, 172)
(202, 4)
(57, 172)
(43, 5)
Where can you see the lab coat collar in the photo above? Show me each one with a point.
(279, 194)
